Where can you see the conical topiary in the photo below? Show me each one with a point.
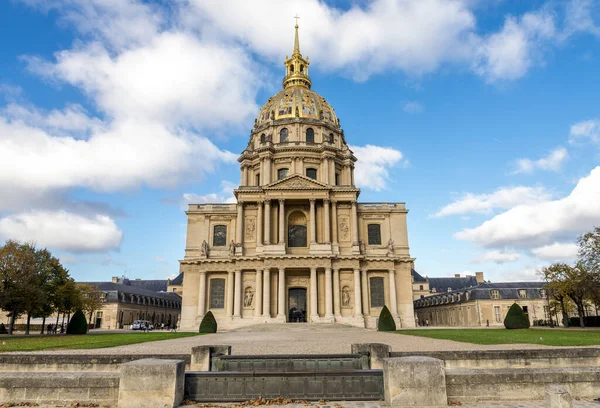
(516, 318)
(208, 324)
(3, 329)
(386, 321)
(78, 324)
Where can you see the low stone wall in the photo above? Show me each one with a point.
(291, 362)
(499, 359)
(100, 388)
(75, 363)
(526, 384)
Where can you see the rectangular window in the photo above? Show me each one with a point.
(220, 235)
(217, 293)
(377, 292)
(498, 314)
(311, 173)
(374, 234)
(495, 294)
(546, 312)
(522, 293)
(337, 179)
(525, 309)
(420, 287)
(282, 173)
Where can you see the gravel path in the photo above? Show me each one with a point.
(296, 339)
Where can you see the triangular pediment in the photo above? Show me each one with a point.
(297, 182)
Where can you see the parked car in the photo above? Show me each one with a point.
(142, 325)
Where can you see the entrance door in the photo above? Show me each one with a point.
(297, 305)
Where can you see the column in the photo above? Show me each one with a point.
(328, 293)
(365, 292)
(354, 224)
(268, 222)
(393, 300)
(327, 221)
(293, 166)
(267, 170)
(237, 295)
(334, 226)
(337, 309)
(259, 224)
(314, 306)
(325, 167)
(281, 221)
(229, 300)
(357, 297)
(267, 293)
(258, 294)
(332, 171)
(313, 223)
(244, 179)
(281, 294)
(239, 223)
(202, 294)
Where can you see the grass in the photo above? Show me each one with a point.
(88, 341)
(546, 337)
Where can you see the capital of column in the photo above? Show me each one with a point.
(281, 201)
(312, 200)
(326, 201)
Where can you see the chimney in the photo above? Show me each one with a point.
(115, 279)
(457, 275)
(479, 277)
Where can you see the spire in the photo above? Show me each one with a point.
(297, 66)
(296, 41)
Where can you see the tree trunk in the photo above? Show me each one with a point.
(11, 326)
(581, 312)
(56, 325)
(62, 325)
(565, 316)
(43, 325)
(28, 323)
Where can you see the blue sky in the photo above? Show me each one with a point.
(482, 116)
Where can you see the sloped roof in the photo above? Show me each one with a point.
(158, 285)
(178, 280)
(119, 287)
(417, 276)
(442, 284)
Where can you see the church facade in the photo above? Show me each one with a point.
(297, 246)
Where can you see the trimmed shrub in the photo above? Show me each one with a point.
(3, 329)
(77, 324)
(208, 324)
(516, 318)
(386, 321)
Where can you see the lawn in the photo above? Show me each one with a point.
(547, 337)
(88, 341)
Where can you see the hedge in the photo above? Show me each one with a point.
(208, 324)
(516, 318)
(386, 321)
(77, 324)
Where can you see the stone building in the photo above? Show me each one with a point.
(485, 304)
(128, 300)
(425, 286)
(297, 246)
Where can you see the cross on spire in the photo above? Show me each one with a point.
(296, 17)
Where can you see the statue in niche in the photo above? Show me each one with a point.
(297, 111)
(204, 249)
(345, 296)
(272, 115)
(248, 297)
(344, 229)
(232, 248)
(362, 247)
(390, 247)
(250, 228)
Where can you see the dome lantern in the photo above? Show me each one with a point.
(296, 67)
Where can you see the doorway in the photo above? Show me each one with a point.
(297, 305)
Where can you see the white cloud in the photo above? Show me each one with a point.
(538, 224)
(556, 251)
(522, 274)
(62, 231)
(372, 167)
(510, 53)
(412, 107)
(498, 257)
(587, 130)
(224, 196)
(160, 260)
(552, 162)
(503, 198)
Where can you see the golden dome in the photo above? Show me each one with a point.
(297, 99)
(299, 102)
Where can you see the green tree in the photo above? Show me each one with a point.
(386, 321)
(91, 298)
(208, 323)
(68, 299)
(576, 287)
(555, 276)
(516, 318)
(589, 250)
(18, 287)
(78, 324)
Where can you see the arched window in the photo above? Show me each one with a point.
(311, 173)
(217, 293)
(310, 135)
(282, 173)
(263, 138)
(297, 230)
(283, 135)
(302, 68)
(258, 179)
(331, 138)
(374, 234)
(220, 235)
(291, 69)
